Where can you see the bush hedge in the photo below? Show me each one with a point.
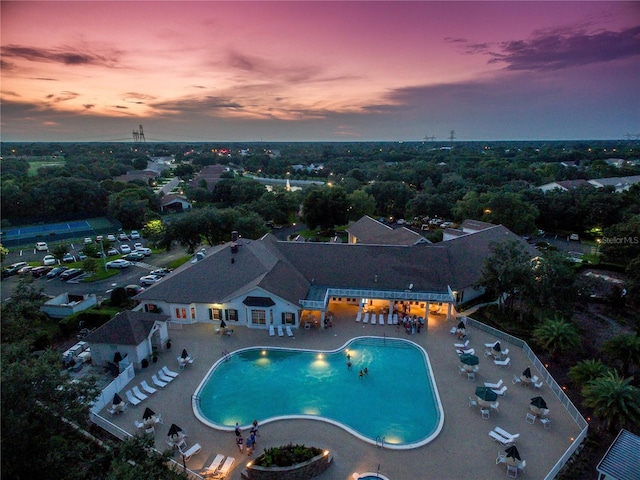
(286, 456)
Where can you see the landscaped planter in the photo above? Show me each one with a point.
(299, 471)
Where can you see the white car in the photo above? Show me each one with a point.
(111, 237)
(125, 249)
(88, 240)
(49, 260)
(122, 236)
(137, 245)
(120, 263)
(145, 251)
(134, 235)
(42, 246)
(149, 279)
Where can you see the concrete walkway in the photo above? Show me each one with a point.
(463, 450)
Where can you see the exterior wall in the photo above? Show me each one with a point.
(60, 307)
(301, 471)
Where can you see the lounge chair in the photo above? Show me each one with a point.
(132, 399)
(289, 331)
(164, 377)
(139, 394)
(390, 319)
(505, 434)
(502, 391)
(505, 442)
(280, 331)
(145, 386)
(491, 345)
(506, 363)
(395, 318)
(461, 345)
(493, 385)
(359, 316)
(366, 317)
(225, 468)
(191, 451)
(469, 351)
(169, 373)
(213, 468)
(272, 330)
(373, 318)
(157, 382)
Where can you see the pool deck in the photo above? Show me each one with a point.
(462, 450)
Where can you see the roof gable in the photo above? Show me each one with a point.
(126, 328)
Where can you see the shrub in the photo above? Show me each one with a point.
(286, 456)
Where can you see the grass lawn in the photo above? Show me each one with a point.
(179, 261)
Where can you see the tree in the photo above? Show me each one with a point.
(587, 370)
(154, 231)
(624, 351)
(361, 204)
(557, 335)
(90, 265)
(614, 400)
(3, 253)
(325, 208)
(59, 251)
(119, 296)
(140, 163)
(507, 270)
(554, 280)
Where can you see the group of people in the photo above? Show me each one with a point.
(412, 324)
(251, 440)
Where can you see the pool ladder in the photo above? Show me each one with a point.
(380, 441)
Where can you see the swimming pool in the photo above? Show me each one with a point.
(396, 402)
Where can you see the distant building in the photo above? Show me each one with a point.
(620, 184)
(210, 174)
(174, 203)
(565, 185)
(372, 232)
(131, 175)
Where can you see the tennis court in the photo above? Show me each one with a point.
(52, 232)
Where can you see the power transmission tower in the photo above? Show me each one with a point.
(142, 139)
(452, 135)
(429, 138)
(138, 135)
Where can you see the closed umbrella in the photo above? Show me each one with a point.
(538, 402)
(148, 413)
(527, 372)
(174, 432)
(513, 455)
(222, 324)
(116, 399)
(184, 355)
(497, 347)
(461, 326)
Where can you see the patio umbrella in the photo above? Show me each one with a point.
(469, 359)
(222, 324)
(513, 455)
(184, 353)
(539, 402)
(497, 347)
(461, 326)
(116, 399)
(527, 372)
(148, 413)
(485, 393)
(174, 431)
(117, 357)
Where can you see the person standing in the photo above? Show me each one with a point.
(240, 442)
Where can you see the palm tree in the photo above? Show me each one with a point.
(557, 335)
(624, 350)
(614, 400)
(587, 370)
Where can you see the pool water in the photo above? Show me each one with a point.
(397, 400)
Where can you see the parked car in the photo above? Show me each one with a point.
(575, 237)
(111, 237)
(145, 251)
(68, 258)
(134, 256)
(161, 272)
(112, 251)
(99, 238)
(125, 248)
(133, 290)
(13, 269)
(42, 246)
(71, 273)
(82, 256)
(149, 279)
(56, 271)
(137, 245)
(123, 236)
(41, 271)
(49, 260)
(88, 241)
(120, 263)
(24, 270)
(134, 235)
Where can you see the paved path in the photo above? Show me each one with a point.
(463, 450)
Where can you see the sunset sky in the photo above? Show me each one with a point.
(319, 71)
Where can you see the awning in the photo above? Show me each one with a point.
(258, 302)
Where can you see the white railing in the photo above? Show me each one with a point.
(553, 385)
(118, 384)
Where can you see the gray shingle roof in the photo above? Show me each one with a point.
(370, 231)
(290, 269)
(126, 328)
(622, 460)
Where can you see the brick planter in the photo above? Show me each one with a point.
(299, 471)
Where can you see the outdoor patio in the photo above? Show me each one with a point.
(462, 450)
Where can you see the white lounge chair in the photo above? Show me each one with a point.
(289, 331)
(493, 385)
(506, 363)
(145, 386)
(169, 373)
(191, 451)
(470, 351)
(164, 377)
(390, 319)
(213, 468)
(132, 399)
(225, 468)
(505, 442)
(491, 345)
(157, 382)
(506, 434)
(502, 391)
(461, 345)
(272, 330)
(395, 318)
(280, 331)
(139, 394)
(373, 318)
(366, 317)
(359, 316)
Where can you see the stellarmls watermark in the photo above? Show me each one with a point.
(621, 240)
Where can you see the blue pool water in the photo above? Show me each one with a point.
(397, 400)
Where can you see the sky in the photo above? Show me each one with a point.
(319, 71)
